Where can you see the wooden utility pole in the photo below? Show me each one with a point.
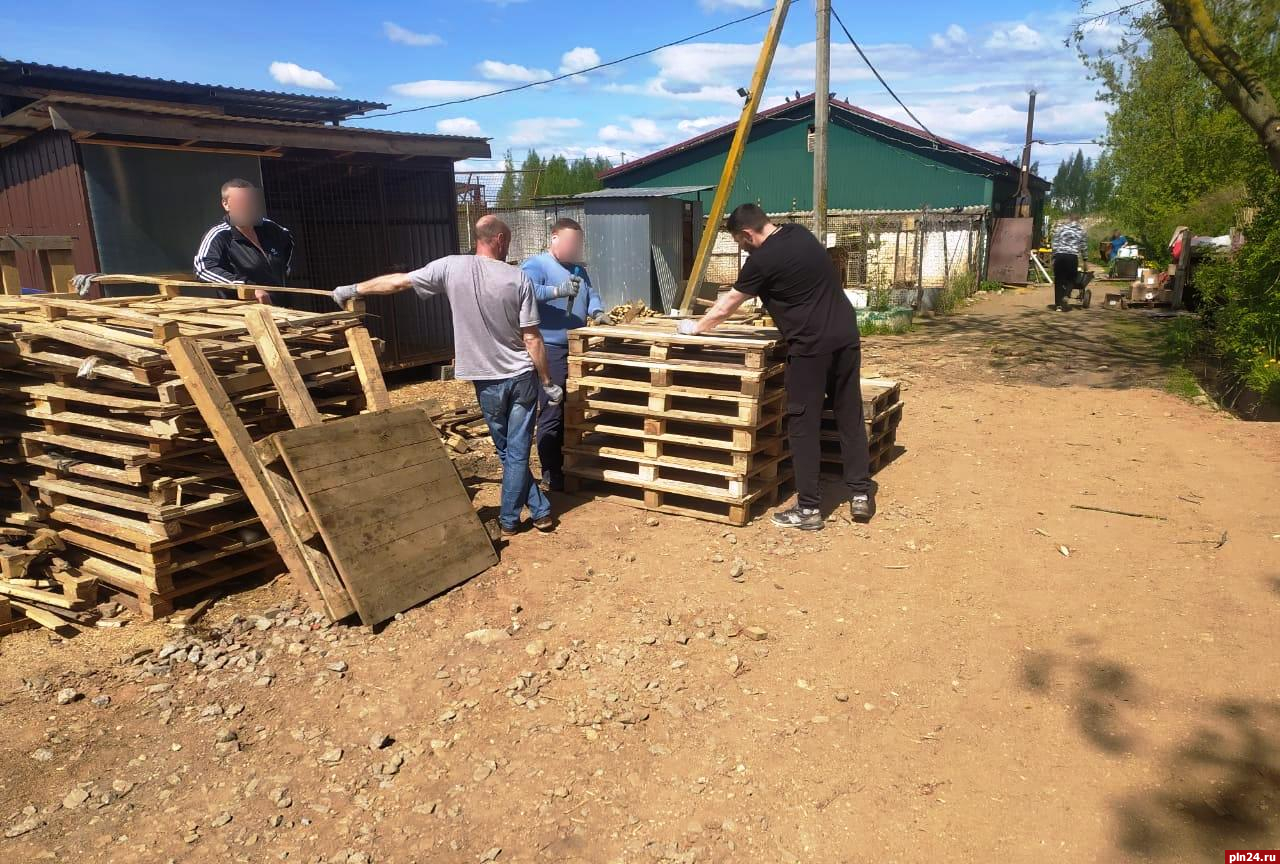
(1024, 175)
(821, 115)
(734, 159)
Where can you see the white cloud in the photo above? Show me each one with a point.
(699, 125)
(659, 88)
(577, 59)
(404, 36)
(638, 130)
(1019, 37)
(293, 75)
(459, 126)
(532, 131)
(496, 70)
(434, 88)
(953, 37)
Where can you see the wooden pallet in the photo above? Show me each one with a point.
(745, 347)
(685, 499)
(677, 424)
(149, 604)
(367, 511)
(124, 460)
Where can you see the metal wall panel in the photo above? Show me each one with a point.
(42, 192)
(353, 220)
(152, 207)
(619, 261)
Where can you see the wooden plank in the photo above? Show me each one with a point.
(365, 359)
(216, 409)
(284, 374)
(47, 598)
(339, 442)
(42, 617)
(414, 533)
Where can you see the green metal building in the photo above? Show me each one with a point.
(874, 163)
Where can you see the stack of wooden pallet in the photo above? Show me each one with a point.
(37, 588)
(460, 425)
(882, 412)
(690, 425)
(132, 479)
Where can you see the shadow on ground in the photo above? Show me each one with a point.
(1218, 789)
(1023, 341)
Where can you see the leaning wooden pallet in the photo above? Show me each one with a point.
(681, 424)
(131, 473)
(367, 511)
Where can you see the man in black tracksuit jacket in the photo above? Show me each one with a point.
(792, 274)
(245, 247)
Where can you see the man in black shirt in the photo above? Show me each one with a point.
(792, 274)
(245, 248)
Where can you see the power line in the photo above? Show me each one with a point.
(875, 72)
(556, 78)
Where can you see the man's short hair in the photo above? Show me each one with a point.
(747, 217)
(236, 183)
(490, 228)
(565, 222)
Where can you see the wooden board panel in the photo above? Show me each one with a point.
(397, 523)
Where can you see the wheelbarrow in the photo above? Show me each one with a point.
(1080, 292)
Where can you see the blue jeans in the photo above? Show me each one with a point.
(510, 407)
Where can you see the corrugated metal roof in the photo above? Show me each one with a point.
(644, 192)
(236, 100)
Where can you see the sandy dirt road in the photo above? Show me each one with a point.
(985, 672)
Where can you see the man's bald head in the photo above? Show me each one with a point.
(493, 237)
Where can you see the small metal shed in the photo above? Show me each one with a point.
(641, 242)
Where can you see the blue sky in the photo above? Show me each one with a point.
(964, 70)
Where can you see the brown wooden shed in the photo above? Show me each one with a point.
(129, 169)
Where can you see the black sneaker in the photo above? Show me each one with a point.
(862, 508)
(799, 517)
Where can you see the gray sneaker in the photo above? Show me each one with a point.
(861, 508)
(803, 518)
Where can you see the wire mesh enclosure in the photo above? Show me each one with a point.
(891, 255)
(351, 221)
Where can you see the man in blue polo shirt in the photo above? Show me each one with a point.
(566, 301)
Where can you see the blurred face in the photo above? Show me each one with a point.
(566, 246)
(244, 206)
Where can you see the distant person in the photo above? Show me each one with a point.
(1070, 246)
(566, 301)
(245, 248)
(1118, 242)
(795, 278)
(498, 348)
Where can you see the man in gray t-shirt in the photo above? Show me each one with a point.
(497, 346)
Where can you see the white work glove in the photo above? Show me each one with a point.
(601, 319)
(555, 393)
(687, 327)
(569, 289)
(344, 294)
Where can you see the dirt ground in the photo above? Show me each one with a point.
(985, 672)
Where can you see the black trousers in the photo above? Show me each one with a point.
(551, 417)
(809, 380)
(1065, 269)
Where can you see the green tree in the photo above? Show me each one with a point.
(530, 178)
(1190, 98)
(507, 193)
(556, 179)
